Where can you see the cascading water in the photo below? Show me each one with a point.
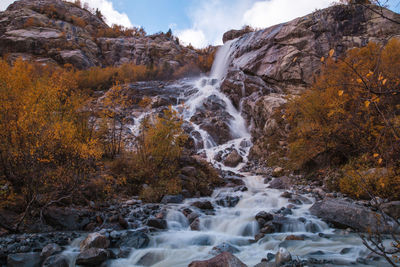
(232, 223)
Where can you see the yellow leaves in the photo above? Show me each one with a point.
(370, 73)
(340, 92)
(331, 52)
(380, 161)
(367, 103)
(384, 81)
(359, 80)
(376, 155)
(322, 59)
(295, 59)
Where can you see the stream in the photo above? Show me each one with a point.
(233, 227)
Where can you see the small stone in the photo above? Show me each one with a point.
(282, 257)
(277, 172)
(50, 250)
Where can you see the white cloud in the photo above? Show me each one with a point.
(105, 6)
(112, 16)
(211, 19)
(5, 3)
(268, 13)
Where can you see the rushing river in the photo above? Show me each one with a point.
(235, 227)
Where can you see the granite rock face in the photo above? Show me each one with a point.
(269, 64)
(58, 32)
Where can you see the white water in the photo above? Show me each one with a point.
(237, 226)
(179, 245)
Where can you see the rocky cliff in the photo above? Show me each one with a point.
(54, 31)
(269, 64)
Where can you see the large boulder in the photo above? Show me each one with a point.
(66, 218)
(31, 259)
(342, 213)
(95, 240)
(233, 159)
(133, 239)
(92, 257)
(50, 250)
(224, 259)
(283, 182)
(392, 209)
(56, 261)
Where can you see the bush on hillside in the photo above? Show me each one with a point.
(351, 114)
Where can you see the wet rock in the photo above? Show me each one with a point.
(392, 209)
(195, 225)
(225, 247)
(282, 257)
(50, 250)
(133, 239)
(193, 216)
(157, 223)
(92, 257)
(124, 252)
(347, 214)
(172, 199)
(56, 261)
(268, 228)
(286, 194)
(228, 201)
(283, 182)
(233, 159)
(203, 205)
(225, 259)
(265, 216)
(277, 172)
(150, 258)
(95, 240)
(31, 259)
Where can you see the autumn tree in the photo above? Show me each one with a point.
(158, 149)
(47, 147)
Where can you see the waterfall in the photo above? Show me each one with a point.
(233, 226)
(208, 87)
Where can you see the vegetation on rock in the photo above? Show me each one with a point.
(350, 120)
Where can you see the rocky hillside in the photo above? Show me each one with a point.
(54, 31)
(269, 64)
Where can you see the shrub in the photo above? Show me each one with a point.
(350, 113)
(46, 144)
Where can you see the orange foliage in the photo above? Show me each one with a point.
(46, 144)
(351, 112)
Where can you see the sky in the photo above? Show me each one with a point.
(203, 22)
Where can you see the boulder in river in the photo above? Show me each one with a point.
(225, 247)
(50, 250)
(92, 257)
(282, 257)
(95, 240)
(233, 159)
(283, 182)
(56, 261)
(133, 239)
(31, 259)
(345, 214)
(224, 259)
(172, 199)
(203, 205)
